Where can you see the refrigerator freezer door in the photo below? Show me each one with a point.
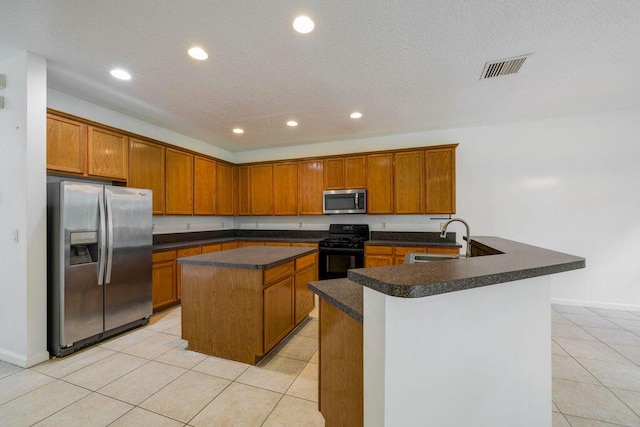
(79, 312)
(128, 270)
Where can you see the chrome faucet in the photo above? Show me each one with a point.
(443, 233)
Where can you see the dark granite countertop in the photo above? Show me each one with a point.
(342, 293)
(509, 261)
(516, 261)
(252, 257)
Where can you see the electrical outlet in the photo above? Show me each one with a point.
(188, 226)
(300, 223)
(222, 224)
(256, 225)
(384, 225)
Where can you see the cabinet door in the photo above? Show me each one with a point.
(440, 180)
(107, 154)
(310, 184)
(225, 189)
(380, 183)
(303, 296)
(408, 186)
(179, 189)
(183, 253)
(244, 194)
(285, 188)
(146, 170)
(261, 178)
(163, 279)
(334, 174)
(355, 172)
(278, 312)
(204, 185)
(66, 145)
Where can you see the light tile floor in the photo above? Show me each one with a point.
(147, 377)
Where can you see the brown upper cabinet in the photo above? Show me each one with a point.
(408, 182)
(380, 183)
(310, 184)
(244, 194)
(66, 145)
(77, 148)
(285, 188)
(204, 185)
(440, 180)
(179, 183)
(146, 170)
(261, 189)
(345, 172)
(224, 189)
(108, 154)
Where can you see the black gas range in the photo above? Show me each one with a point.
(342, 250)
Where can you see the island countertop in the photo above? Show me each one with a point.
(249, 257)
(509, 261)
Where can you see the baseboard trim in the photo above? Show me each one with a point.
(21, 360)
(594, 304)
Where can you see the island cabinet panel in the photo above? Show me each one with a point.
(183, 253)
(285, 188)
(179, 183)
(244, 190)
(224, 189)
(163, 280)
(146, 170)
(408, 183)
(440, 180)
(341, 368)
(380, 183)
(108, 154)
(261, 179)
(222, 312)
(204, 185)
(304, 299)
(278, 312)
(310, 187)
(66, 145)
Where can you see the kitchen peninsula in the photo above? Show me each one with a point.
(239, 303)
(458, 342)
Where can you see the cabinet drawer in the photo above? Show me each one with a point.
(163, 256)
(305, 261)
(229, 245)
(211, 248)
(277, 273)
(443, 250)
(277, 244)
(401, 250)
(189, 252)
(379, 250)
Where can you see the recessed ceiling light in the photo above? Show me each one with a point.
(197, 53)
(292, 123)
(356, 115)
(238, 131)
(303, 24)
(121, 74)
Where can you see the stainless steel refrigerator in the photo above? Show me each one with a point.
(99, 262)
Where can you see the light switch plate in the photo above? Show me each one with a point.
(3, 81)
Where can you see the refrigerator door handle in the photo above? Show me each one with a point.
(103, 241)
(110, 238)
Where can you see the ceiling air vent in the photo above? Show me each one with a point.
(503, 67)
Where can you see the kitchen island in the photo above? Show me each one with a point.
(239, 303)
(457, 342)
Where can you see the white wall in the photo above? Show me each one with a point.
(559, 183)
(23, 285)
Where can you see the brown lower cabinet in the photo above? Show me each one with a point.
(382, 256)
(163, 279)
(340, 379)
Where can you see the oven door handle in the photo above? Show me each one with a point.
(341, 250)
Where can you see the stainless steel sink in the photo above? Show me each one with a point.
(416, 257)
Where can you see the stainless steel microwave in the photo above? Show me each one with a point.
(353, 201)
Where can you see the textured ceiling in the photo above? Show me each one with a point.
(407, 65)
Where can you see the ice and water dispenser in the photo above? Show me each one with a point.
(84, 247)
